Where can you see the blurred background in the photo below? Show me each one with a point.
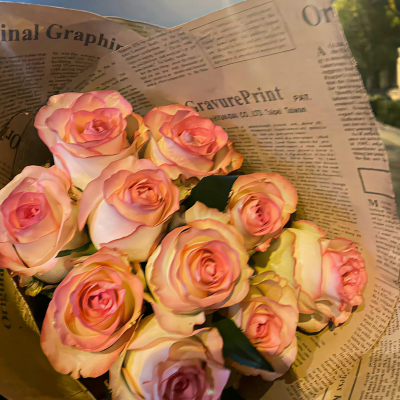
(166, 13)
(372, 28)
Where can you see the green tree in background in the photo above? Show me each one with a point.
(372, 28)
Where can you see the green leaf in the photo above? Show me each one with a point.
(213, 191)
(238, 348)
(34, 288)
(49, 290)
(86, 249)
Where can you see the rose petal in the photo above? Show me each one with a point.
(309, 226)
(113, 99)
(87, 102)
(174, 323)
(313, 322)
(106, 225)
(201, 211)
(140, 244)
(84, 170)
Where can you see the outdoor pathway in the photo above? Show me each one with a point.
(391, 139)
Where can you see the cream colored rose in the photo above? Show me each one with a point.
(260, 205)
(330, 274)
(128, 207)
(38, 220)
(184, 144)
(268, 316)
(163, 366)
(88, 131)
(92, 315)
(197, 268)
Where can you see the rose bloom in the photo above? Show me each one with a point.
(128, 207)
(268, 316)
(38, 220)
(92, 315)
(183, 143)
(198, 267)
(330, 274)
(260, 206)
(163, 366)
(87, 131)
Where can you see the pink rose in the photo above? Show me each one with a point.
(128, 207)
(183, 143)
(268, 316)
(198, 267)
(160, 365)
(87, 131)
(92, 315)
(343, 279)
(330, 274)
(38, 220)
(260, 206)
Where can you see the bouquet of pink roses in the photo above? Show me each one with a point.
(163, 267)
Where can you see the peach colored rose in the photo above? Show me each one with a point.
(87, 131)
(198, 267)
(38, 220)
(268, 316)
(343, 279)
(183, 143)
(128, 207)
(92, 315)
(260, 206)
(330, 274)
(163, 366)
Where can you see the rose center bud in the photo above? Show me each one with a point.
(350, 281)
(260, 326)
(28, 212)
(198, 140)
(188, 138)
(185, 386)
(144, 191)
(182, 384)
(100, 302)
(211, 274)
(196, 137)
(264, 326)
(97, 126)
(31, 211)
(257, 213)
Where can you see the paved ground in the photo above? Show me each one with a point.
(391, 138)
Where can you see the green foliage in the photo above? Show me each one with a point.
(386, 110)
(86, 250)
(238, 348)
(35, 286)
(213, 191)
(372, 28)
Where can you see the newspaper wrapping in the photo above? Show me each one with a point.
(41, 50)
(280, 79)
